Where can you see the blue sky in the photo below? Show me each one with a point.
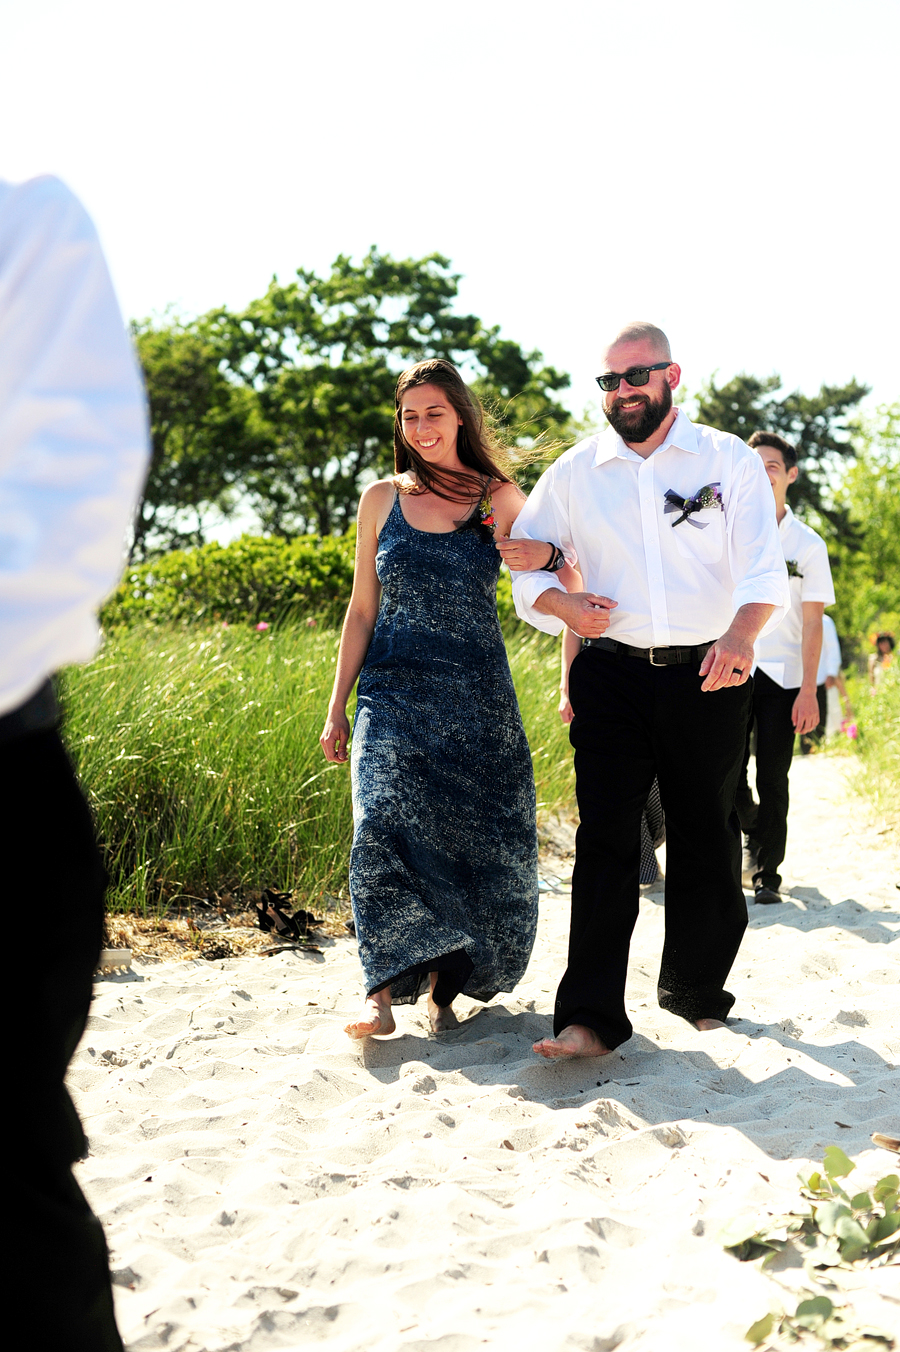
(725, 169)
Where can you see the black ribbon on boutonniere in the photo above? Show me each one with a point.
(710, 495)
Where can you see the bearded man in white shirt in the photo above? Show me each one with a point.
(785, 699)
(672, 528)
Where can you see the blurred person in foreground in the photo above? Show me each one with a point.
(671, 526)
(73, 451)
(785, 678)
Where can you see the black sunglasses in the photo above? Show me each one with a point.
(636, 376)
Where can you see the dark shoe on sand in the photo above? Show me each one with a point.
(766, 895)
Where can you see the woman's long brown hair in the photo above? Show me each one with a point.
(476, 445)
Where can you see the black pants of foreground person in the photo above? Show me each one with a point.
(633, 721)
(54, 886)
(772, 706)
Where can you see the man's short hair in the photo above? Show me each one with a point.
(641, 331)
(788, 452)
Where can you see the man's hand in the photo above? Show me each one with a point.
(728, 662)
(524, 556)
(586, 613)
(805, 713)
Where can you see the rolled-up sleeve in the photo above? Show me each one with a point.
(543, 517)
(73, 435)
(755, 553)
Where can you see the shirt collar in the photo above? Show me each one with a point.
(786, 521)
(682, 434)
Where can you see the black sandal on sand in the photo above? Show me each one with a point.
(272, 915)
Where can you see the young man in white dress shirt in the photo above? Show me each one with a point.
(73, 450)
(673, 530)
(785, 699)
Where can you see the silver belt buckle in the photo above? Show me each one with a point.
(653, 662)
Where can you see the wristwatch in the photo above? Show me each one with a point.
(557, 560)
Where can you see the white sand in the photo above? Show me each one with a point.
(266, 1183)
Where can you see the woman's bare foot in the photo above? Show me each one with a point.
(707, 1025)
(441, 1017)
(576, 1040)
(376, 1019)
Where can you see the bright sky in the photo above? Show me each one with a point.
(725, 168)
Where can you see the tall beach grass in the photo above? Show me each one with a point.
(878, 748)
(199, 752)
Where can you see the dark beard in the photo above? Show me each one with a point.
(643, 422)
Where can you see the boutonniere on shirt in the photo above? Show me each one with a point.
(710, 495)
(793, 570)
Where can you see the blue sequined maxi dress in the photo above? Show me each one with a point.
(443, 870)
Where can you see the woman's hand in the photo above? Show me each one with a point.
(335, 736)
(524, 556)
(565, 708)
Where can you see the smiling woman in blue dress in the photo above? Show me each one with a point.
(443, 870)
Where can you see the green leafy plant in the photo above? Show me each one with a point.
(839, 1230)
(817, 1317)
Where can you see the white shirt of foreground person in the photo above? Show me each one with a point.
(605, 507)
(780, 655)
(73, 435)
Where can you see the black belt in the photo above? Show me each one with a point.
(657, 657)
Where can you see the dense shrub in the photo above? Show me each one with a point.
(253, 579)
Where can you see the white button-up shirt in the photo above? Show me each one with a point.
(780, 655)
(830, 661)
(605, 507)
(73, 436)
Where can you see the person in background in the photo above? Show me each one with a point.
(830, 687)
(73, 453)
(881, 658)
(786, 674)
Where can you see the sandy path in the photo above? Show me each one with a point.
(267, 1184)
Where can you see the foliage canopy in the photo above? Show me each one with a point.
(819, 425)
(289, 402)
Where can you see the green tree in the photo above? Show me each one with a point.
(819, 425)
(867, 576)
(322, 355)
(206, 434)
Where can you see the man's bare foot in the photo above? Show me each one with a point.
(576, 1040)
(707, 1025)
(441, 1017)
(376, 1019)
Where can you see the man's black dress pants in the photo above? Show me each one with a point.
(772, 706)
(55, 886)
(633, 721)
